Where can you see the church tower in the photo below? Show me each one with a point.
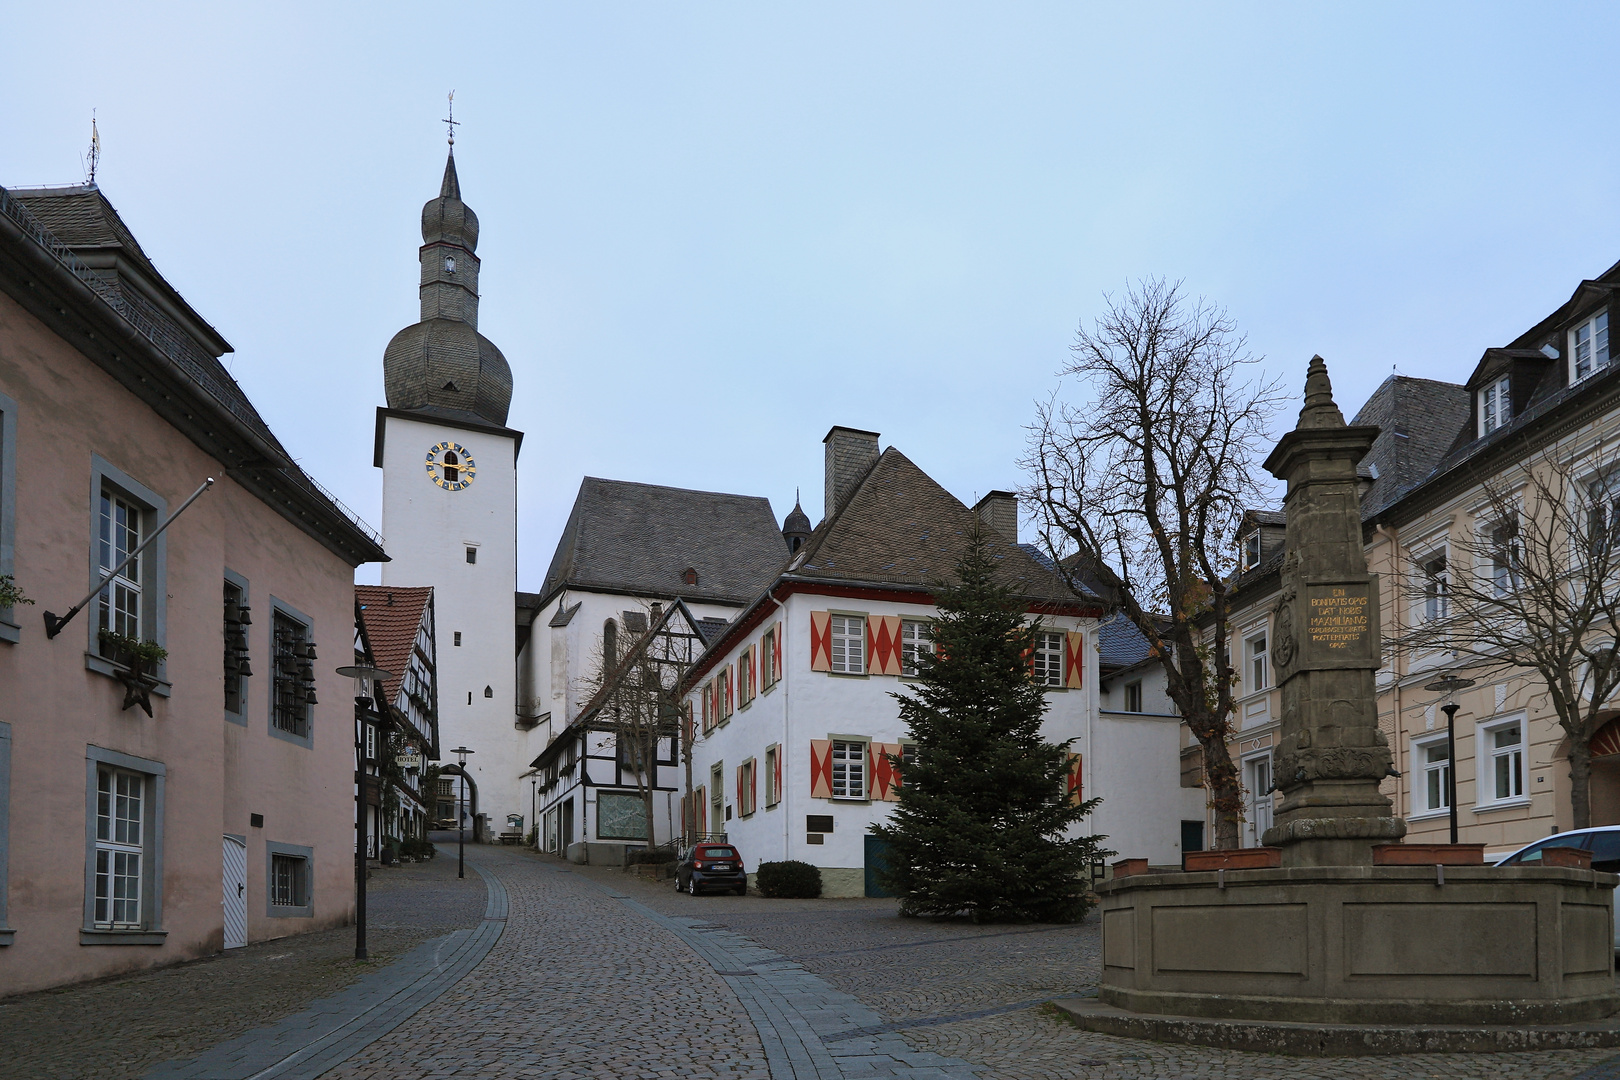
(449, 515)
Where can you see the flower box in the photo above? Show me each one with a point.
(1578, 858)
(1130, 867)
(1253, 858)
(1428, 854)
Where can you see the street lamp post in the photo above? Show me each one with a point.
(1448, 684)
(362, 702)
(461, 753)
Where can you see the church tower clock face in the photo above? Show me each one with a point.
(450, 466)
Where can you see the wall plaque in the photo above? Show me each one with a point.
(1339, 621)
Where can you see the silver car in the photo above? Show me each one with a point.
(1603, 841)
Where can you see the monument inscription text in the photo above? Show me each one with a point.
(1339, 619)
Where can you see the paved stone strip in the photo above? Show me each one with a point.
(935, 1021)
(810, 1030)
(307, 1044)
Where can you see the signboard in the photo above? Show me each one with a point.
(410, 760)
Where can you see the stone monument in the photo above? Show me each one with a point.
(1346, 929)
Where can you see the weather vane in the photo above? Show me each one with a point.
(93, 158)
(450, 121)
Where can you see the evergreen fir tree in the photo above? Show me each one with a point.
(981, 818)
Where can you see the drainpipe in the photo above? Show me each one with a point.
(1390, 537)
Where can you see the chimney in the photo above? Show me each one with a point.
(851, 453)
(999, 510)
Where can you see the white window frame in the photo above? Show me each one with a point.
(1133, 689)
(750, 779)
(1589, 346)
(1496, 405)
(1046, 665)
(847, 647)
(1421, 768)
(1489, 758)
(848, 756)
(1257, 662)
(916, 635)
(1251, 550)
(768, 674)
(102, 846)
(1436, 603)
(745, 664)
(772, 796)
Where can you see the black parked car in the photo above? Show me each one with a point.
(711, 866)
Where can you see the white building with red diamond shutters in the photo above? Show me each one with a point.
(792, 711)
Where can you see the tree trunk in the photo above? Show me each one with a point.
(1580, 783)
(1225, 793)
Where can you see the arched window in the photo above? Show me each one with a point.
(610, 643)
(452, 466)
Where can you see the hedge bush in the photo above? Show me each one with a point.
(790, 880)
(417, 848)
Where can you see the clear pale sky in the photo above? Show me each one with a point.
(711, 231)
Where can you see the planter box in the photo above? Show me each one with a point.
(1578, 858)
(1428, 854)
(1254, 858)
(1130, 867)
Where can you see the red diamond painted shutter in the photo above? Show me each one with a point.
(753, 674)
(776, 659)
(821, 641)
(742, 794)
(885, 778)
(883, 644)
(731, 701)
(700, 812)
(753, 785)
(821, 768)
(1074, 659)
(777, 790)
(1076, 784)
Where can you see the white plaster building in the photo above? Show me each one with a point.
(793, 707)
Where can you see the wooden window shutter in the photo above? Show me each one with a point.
(821, 641)
(753, 785)
(1074, 659)
(885, 782)
(821, 768)
(1076, 779)
(883, 645)
(776, 780)
(700, 812)
(776, 658)
(730, 696)
(742, 794)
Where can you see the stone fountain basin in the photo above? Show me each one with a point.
(1363, 944)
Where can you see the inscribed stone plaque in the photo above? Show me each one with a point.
(1338, 621)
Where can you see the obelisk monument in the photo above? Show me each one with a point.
(1331, 758)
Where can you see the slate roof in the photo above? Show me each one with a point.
(1418, 421)
(711, 628)
(1121, 644)
(638, 539)
(901, 528)
(392, 615)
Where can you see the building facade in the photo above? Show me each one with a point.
(156, 806)
(394, 631)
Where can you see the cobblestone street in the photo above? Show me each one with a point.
(591, 972)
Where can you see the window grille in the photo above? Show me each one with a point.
(237, 668)
(294, 689)
(289, 880)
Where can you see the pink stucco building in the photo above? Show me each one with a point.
(130, 840)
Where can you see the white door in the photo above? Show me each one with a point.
(1258, 781)
(235, 893)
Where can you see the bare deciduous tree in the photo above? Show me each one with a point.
(1532, 586)
(1140, 490)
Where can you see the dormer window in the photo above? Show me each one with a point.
(1495, 406)
(1251, 550)
(1589, 345)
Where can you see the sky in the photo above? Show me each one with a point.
(711, 232)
